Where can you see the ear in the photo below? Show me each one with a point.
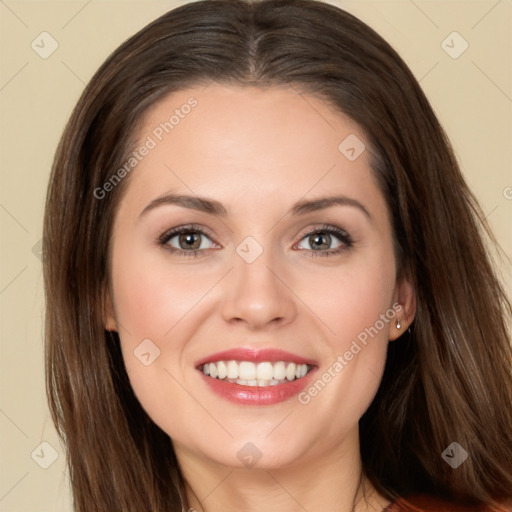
(405, 300)
(108, 311)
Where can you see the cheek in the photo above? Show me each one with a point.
(353, 311)
(149, 305)
(351, 299)
(151, 297)
(156, 307)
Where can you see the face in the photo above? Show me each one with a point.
(253, 245)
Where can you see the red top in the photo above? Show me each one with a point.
(423, 503)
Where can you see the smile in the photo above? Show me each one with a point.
(247, 376)
(262, 374)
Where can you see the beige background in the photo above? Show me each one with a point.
(472, 95)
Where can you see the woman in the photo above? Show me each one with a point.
(200, 355)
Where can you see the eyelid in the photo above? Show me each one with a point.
(341, 234)
(322, 228)
(196, 228)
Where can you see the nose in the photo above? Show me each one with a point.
(258, 295)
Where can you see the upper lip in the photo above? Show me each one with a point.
(255, 355)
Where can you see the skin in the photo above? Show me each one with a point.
(257, 151)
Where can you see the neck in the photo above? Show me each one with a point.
(331, 481)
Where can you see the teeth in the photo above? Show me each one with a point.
(246, 370)
(290, 371)
(232, 370)
(265, 371)
(222, 370)
(279, 371)
(261, 374)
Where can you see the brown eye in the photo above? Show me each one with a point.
(186, 241)
(189, 241)
(326, 241)
(320, 241)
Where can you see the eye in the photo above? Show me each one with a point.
(186, 240)
(326, 241)
(192, 240)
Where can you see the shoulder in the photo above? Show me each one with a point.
(424, 503)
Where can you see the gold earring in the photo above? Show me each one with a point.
(398, 324)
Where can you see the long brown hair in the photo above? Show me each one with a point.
(447, 380)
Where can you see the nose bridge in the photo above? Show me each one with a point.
(255, 292)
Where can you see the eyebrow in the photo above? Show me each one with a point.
(210, 206)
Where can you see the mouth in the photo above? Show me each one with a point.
(256, 377)
(262, 374)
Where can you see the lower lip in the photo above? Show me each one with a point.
(256, 395)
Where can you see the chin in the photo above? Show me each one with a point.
(254, 451)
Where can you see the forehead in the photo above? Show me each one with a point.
(219, 118)
(236, 139)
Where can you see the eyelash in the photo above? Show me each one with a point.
(342, 235)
